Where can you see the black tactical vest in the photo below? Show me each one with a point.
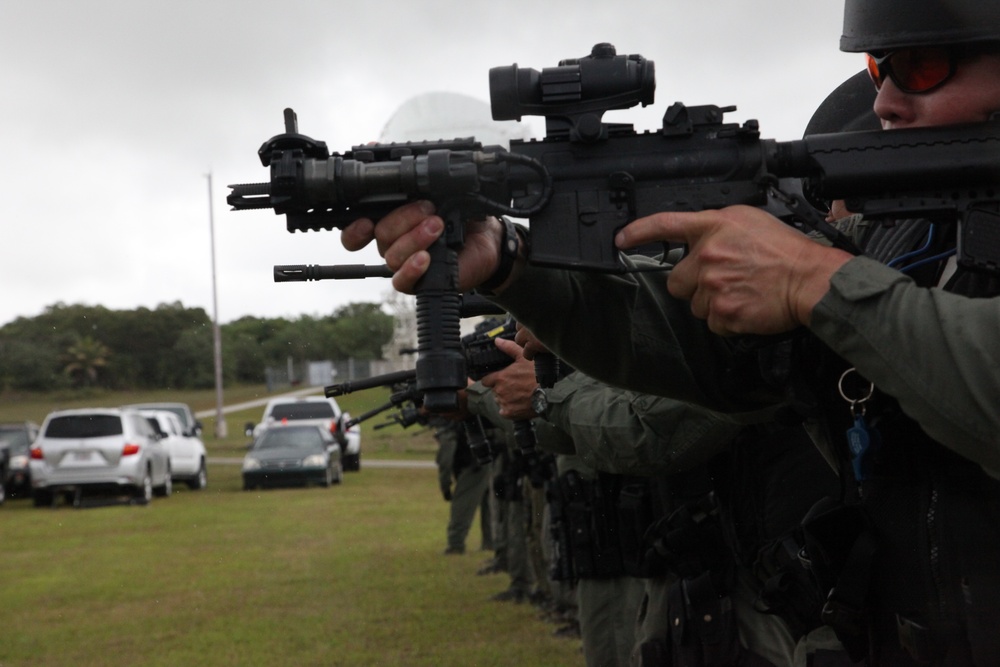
(913, 554)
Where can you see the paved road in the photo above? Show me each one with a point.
(368, 463)
(258, 402)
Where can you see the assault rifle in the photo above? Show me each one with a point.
(481, 357)
(588, 178)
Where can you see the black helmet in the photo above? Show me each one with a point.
(849, 108)
(882, 25)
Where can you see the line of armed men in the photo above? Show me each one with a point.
(606, 511)
(777, 442)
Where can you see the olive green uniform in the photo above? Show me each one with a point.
(464, 488)
(867, 317)
(930, 489)
(513, 504)
(621, 431)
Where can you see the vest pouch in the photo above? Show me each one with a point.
(690, 541)
(635, 516)
(839, 550)
(703, 631)
(787, 588)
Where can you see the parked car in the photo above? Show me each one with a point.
(4, 466)
(293, 455)
(98, 450)
(187, 452)
(319, 411)
(15, 474)
(191, 425)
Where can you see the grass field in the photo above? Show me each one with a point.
(351, 575)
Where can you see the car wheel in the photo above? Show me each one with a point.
(167, 488)
(327, 478)
(3, 487)
(41, 498)
(247, 486)
(143, 493)
(338, 473)
(352, 462)
(201, 479)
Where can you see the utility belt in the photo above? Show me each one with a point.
(619, 528)
(591, 513)
(561, 532)
(688, 542)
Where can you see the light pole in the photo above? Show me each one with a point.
(220, 421)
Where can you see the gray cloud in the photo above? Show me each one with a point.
(115, 111)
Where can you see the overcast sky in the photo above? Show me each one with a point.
(115, 111)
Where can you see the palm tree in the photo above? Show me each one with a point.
(83, 360)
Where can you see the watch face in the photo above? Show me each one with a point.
(539, 401)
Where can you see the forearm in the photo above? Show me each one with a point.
(627, 433)
(935, 352)
(625, 330)
(480, 402)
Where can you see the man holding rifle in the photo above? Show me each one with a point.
(892, 356)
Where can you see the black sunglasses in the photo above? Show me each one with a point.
(914, 70)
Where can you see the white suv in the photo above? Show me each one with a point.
(324, 412)
(99, 450)
(187, 452)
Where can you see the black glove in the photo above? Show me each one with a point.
(446, 492)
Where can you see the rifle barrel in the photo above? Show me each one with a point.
(378, 381)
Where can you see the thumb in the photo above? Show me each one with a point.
(509, 347)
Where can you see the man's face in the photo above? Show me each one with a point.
(971, 95)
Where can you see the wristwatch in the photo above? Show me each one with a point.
(540, 402)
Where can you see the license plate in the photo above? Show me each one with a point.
(81, 456)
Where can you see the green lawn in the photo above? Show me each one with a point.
(351, 575)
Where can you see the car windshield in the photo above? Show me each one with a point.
(17, 440)
(84, 426)
(284, 438)
(305, 410)
(176, 409)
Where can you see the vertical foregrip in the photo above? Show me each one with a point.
(479, 442)
(524, 435)
(440, 362)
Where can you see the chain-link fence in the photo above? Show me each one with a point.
(296, 374)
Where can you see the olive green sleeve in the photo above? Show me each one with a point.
(628, 331)
(935, 352)
(635, 434)
(481, 402)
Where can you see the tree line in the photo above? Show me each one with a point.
(171, 346)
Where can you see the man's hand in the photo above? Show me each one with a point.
(512, 386)
(529, 344)
(746, 272)
(404, 235)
